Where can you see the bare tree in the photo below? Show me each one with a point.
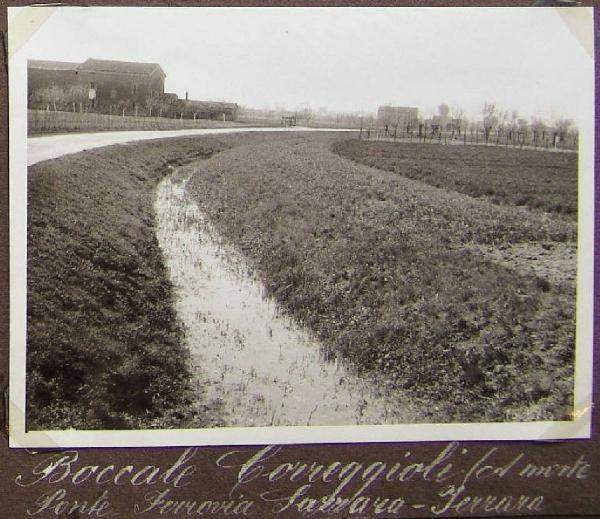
(513, 125)
(523, 129)
(125, 105)
(539, 128)
(153, 102)
(562, 127)
(458, 114)
(76, 96)
(503, 123)
(490, 119)
(307, 115)
(49, 95)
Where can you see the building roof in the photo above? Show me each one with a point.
(388, 108)
(209, 105)
(52, 65)
(98, 65)
(122, 67)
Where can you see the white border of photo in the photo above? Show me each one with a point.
(21, 20)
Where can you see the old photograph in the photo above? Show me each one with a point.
(238, 225)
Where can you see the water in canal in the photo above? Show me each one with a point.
(263, 367)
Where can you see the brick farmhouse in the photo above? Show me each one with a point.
(108, 86)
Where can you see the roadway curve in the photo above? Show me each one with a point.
(53, 146)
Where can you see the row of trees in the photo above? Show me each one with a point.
(495, 124)
(501, 124)
(508, 123)
(76, 99)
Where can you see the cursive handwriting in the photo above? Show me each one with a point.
(65, 467)
(265, 478)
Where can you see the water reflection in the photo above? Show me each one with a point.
(265, 368)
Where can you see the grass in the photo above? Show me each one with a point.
(372, 262)
(534, 179)
(103, 344)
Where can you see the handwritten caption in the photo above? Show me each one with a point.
(261, 481)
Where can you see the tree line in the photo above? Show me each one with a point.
(75, 98)
(496, 125)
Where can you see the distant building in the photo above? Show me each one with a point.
(102, 84)
(170, 97)
(47, 74)
(396, 119)
(444, 124)
(121, 82)
(109, 86)
(207, 110)
(288, 120)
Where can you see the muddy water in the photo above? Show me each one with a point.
(263, 367)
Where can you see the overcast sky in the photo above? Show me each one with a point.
(345, 59)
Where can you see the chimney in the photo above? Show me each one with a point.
(186, 95)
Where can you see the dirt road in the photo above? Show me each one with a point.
(53, 146)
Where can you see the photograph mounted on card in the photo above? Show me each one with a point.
(310, 225)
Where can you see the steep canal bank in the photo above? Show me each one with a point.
(103, 343)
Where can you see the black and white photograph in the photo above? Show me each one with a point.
(299, 225)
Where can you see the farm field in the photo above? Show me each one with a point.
(404, 279)
(534, 179)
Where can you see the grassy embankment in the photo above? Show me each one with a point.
(375, 264)
(104, 346)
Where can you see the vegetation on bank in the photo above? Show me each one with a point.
(375, 264)
(103, 344)
(535, 179)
